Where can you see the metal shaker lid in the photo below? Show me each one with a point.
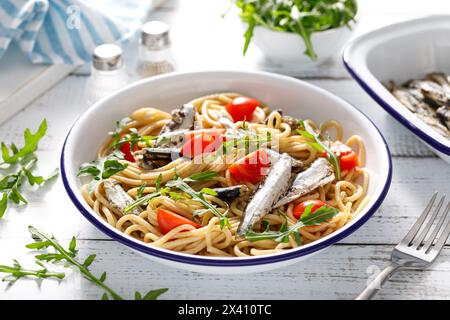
(107, 57)
(155, 35)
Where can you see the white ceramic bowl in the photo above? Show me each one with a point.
(290, 47)
(400, 52)
(297, 98)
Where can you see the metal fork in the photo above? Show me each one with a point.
(416, 250)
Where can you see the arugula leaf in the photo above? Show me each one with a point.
(196, 177)
(118, 130)
(297, 237)
(154, 294)
(200, 212)
(102, 168)
(246, 140)
(151, 295)
(209, 191)
(201, 176)
(89, 170)
(12, 183)
(72, 245)
(30, 145)
(198, 196)
(248, 34)
(320, 146)
(111, 167)
(319, 216)
(3, 204)
(177, 195)
(39, 180)
(16, 272)
(133, 138)
(45, 241)
(158, 182)
(140, 190)
(142, 201)
(301, 17)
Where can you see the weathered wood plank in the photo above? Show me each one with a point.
(340, 272)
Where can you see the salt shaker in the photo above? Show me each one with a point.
(108, 73)
(154, 50)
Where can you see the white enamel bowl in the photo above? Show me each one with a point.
(400, 52)
(290, 47)
(296, 98)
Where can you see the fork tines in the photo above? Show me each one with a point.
(420, 237)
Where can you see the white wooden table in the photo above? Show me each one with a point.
(203, 40)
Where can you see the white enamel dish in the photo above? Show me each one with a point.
(296, 98)
(400, 52)
(290, 47)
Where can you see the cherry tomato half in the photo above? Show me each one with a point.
(126, 150)
(250, 168)
(201, 142)
(300, 208)
(168, 220)
(349, 159)
(242, 108)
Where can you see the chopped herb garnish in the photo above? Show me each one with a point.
(142, 201)
(116, 134)
(132, 138)
(250, 141)
(140, 190)
(158, 182)
(199, 196)
(209, 191)
(201, 176)
(177, 195)
(200, 212)
(102, 168)
(196, 177)
(320, 146)
(297, 237)
(319, 216)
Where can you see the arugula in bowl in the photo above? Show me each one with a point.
(302, 17)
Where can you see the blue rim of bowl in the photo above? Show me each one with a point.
(391, 110)
(269, 259)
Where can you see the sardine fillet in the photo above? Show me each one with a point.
(182, 118)
(275, 184)
(117, 196)
(318, 174)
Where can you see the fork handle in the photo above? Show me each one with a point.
(376, 284)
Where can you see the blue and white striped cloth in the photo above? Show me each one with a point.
(57, 31)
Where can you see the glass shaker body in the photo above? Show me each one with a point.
(107, 73)
(103, 83)
(155, 56)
